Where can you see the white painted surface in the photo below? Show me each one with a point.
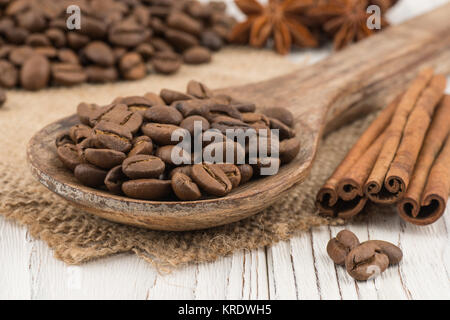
(295, 269)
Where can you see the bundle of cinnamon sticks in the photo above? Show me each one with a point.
(403, 158)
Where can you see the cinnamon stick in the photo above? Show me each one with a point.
(327, 199)
(397, 178)
(375, 186)
(412, 208)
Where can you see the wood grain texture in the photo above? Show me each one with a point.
(367, 73)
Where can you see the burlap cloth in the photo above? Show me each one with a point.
(77, 237)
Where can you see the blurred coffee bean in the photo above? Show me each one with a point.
(35, 73)
(132, 67)
(166, 62)
(90, 175)
(197, 55)
(8, 74)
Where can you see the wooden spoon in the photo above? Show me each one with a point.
(366, 74)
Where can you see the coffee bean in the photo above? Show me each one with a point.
(67, 74)
(97, 74)
(184, 188)
(163, 114)
(132, 67)
(147, 189)
(109, 112)
(289, 149)
(211, 179)
(127, 33)
(211, 40)
(37, 40)
(145, 50)
(210, 111)
(256, 120)
(166, 62)
(141, 145)
(232, 172)
(77, 41)
(143, 166)
(341, 245)
(48, 52)
(227, 151)
(68, 154)
(182, 169)
(183, 22)
(84, 112)
(90, 175)
(281, 114)
(197, 55)
(244, 106)
(198, 90)
(93, 28)
(68, 56)
(170, 96)
(56, 37)
(8, 74)
(113, 136)
(154, 99)
(114, 179)
(166, 154)
(104, 158)
(246, 172)
(99, 53)
(366, 261)
(284, 131)
(63, 138)
(19, 55)
(2, 97)
(135, 103)
(189, 123)
(180, 39)
(79, 132)
(161, 133)
(393, 252)
(35, 73)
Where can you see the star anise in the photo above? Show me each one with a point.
(280, 20)
(346, 20)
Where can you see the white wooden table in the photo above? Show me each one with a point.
(295, 269)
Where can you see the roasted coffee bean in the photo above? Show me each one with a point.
(147, 189)
(67, 74)
(8, 74)
(197, 55)
(232, 173)
(161, 133)
(19, 55)
(90, 175)
(198, 90)
(99, 53)
(143, 166)
(132, 67)
(189, 123)
(167, 154)
(48, 52)
(246, 172)
(180, 21)
(192, 107)
(281, 114)
(93, 28)
(284, 131)
(97, 74)
(68, 56)
(182, 169)
(87, 143)
(366, 261)
(114, 179)
(341, 245)
(135, 103)
(154, 99)
(37, 40)
(163, 114)
(80, 132)
(128, 33)
(211, 40)
(2, 97)
(68, 154)
(35, 73)
(227, 152)
(84, 112)
(141, 145)
(77, 41)
(170, 96)
(393, 252)
(184, 188)
(110, 135)
(225, 122)
(166, 62)
(103, 113)
(289, 149)
(244, 107)
(211, 179)
(63, 138)
(56, 37)
(120, 114)
(256, 120)
(180, 39)
(212, 110)
(104, 158)
(159, 44)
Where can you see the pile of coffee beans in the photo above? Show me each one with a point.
(117, 39)
(127, 146)
(363, 261)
